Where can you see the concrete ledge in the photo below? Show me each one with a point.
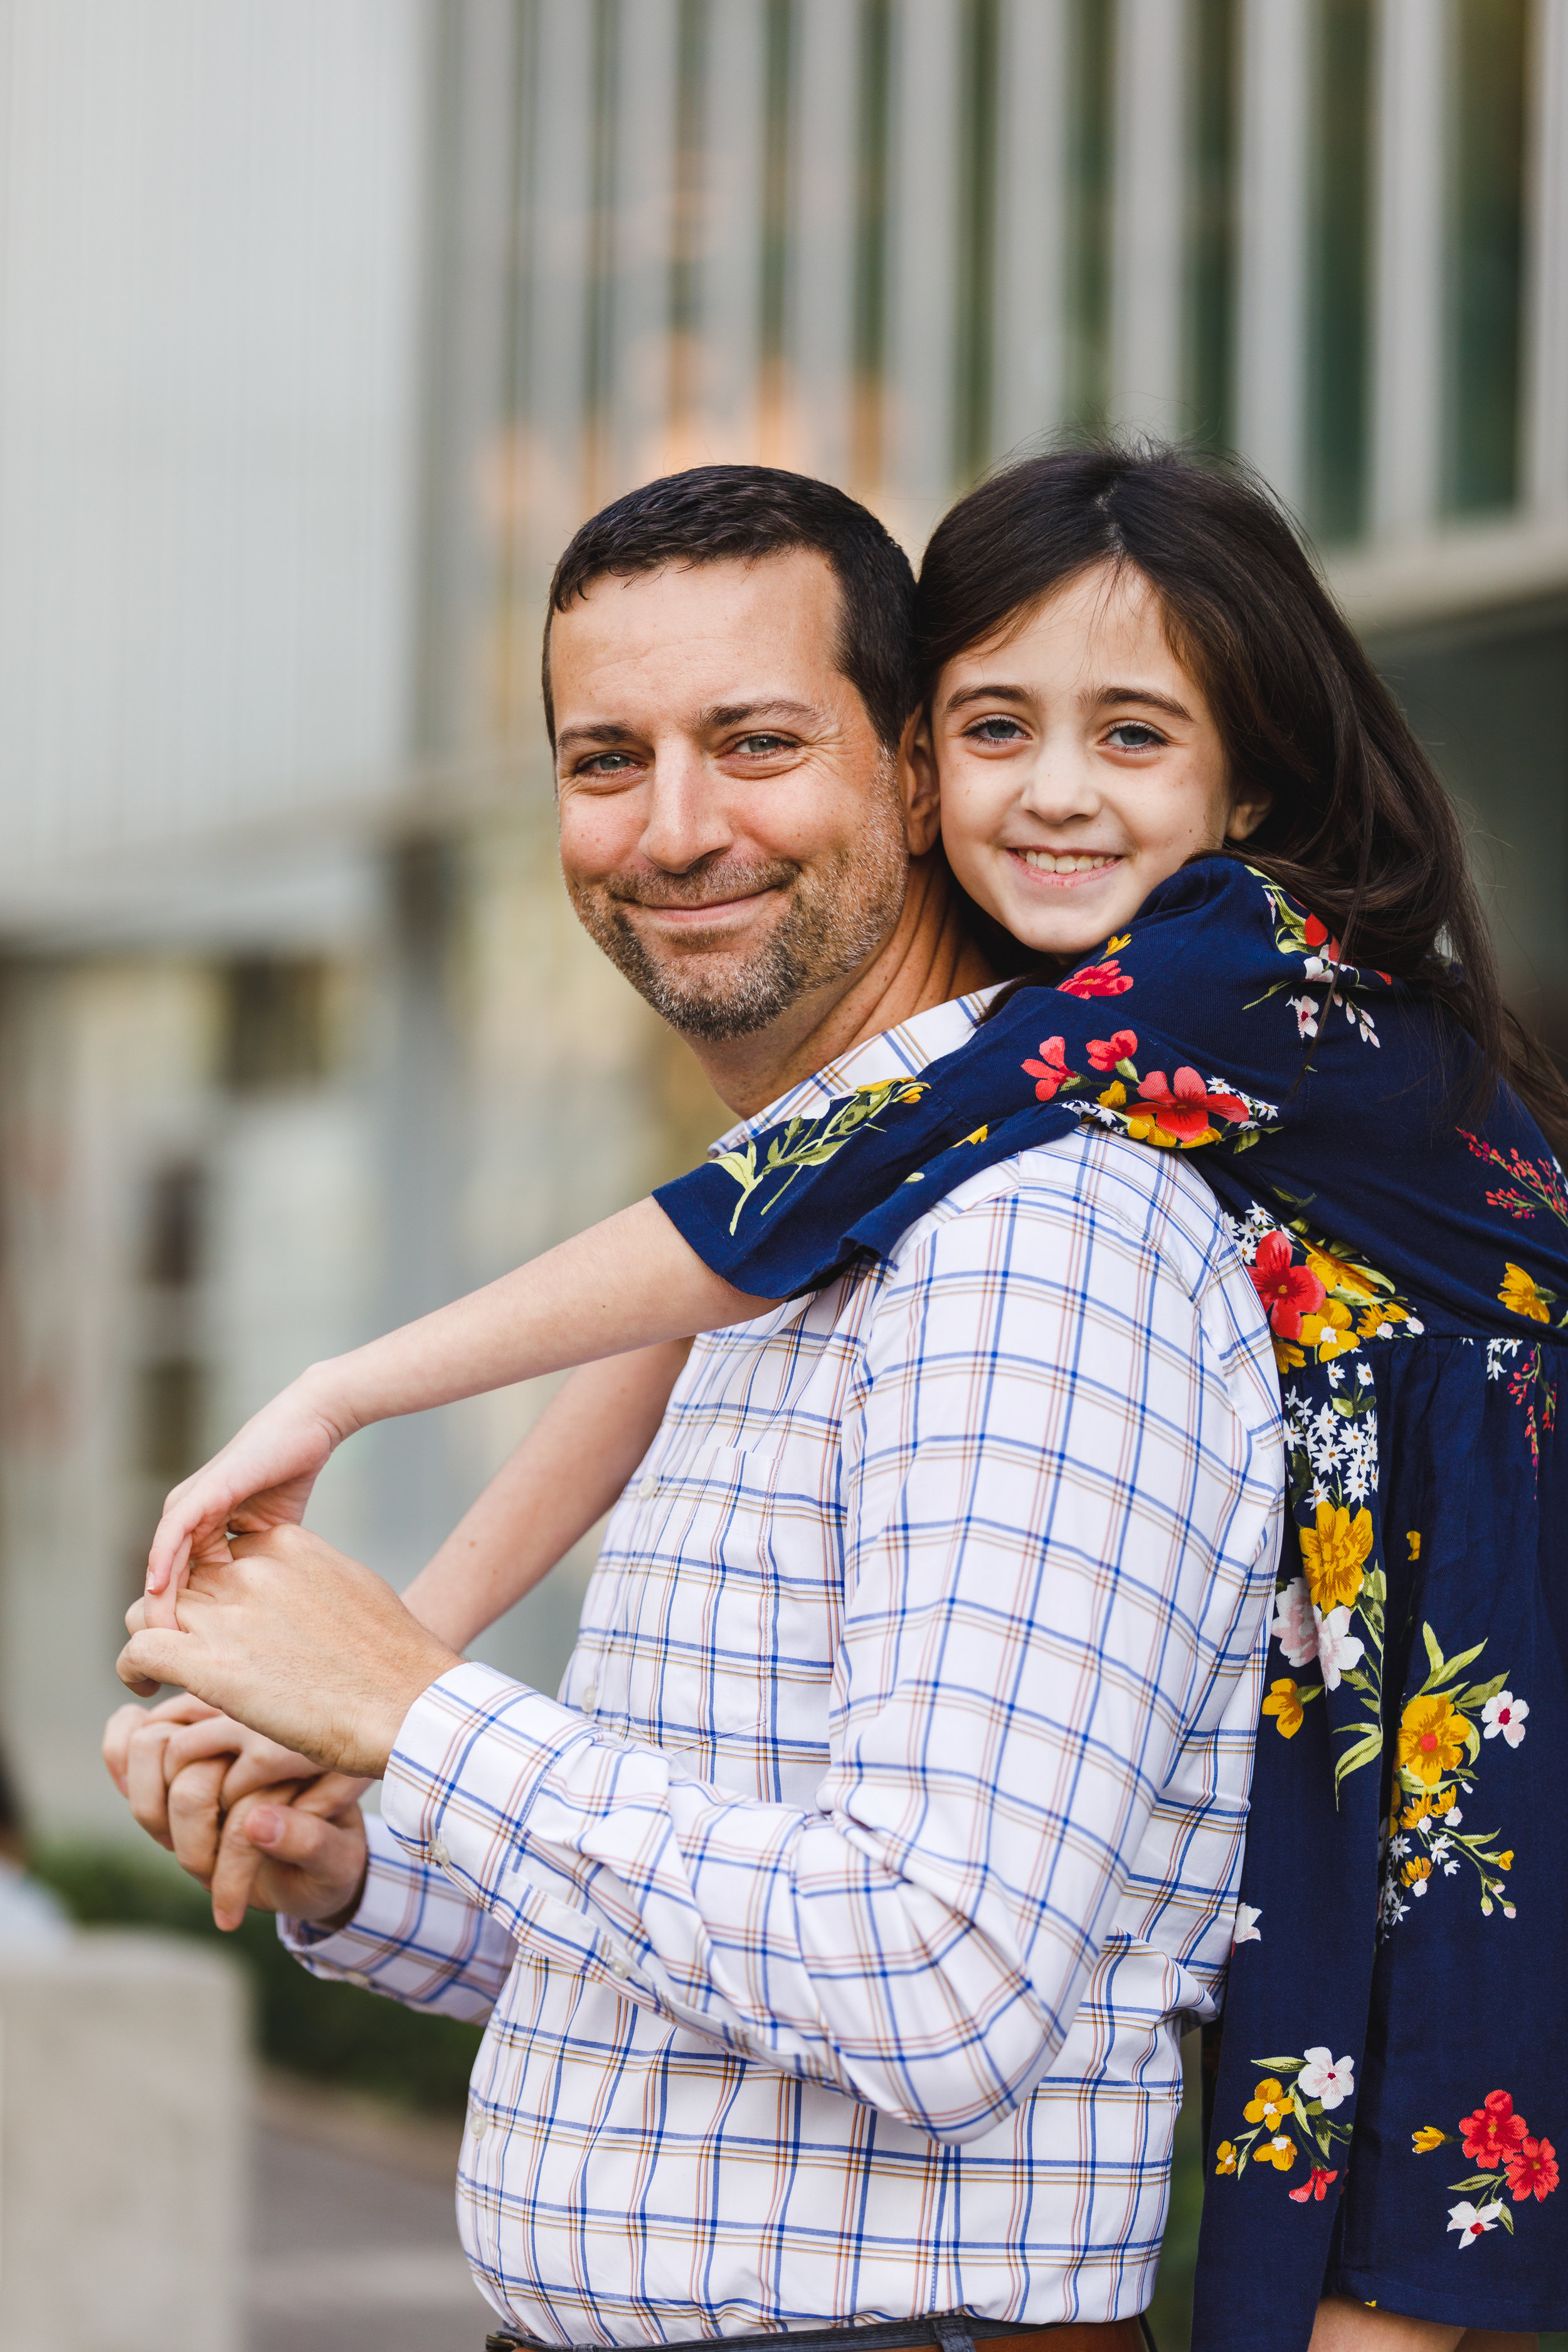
(124, 2118)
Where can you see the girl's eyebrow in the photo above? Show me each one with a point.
(968, 694)
(1101, 696)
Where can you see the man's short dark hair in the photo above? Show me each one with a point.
(716, 514)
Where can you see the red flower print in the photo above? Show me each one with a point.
(1532, 2169)
(1289, 1291)
(1051, 1068)
(1098, 980)
(1494, 2129)
(1182, 1107)
(1316, 2184)
(1317, 935)
(1104, 1053)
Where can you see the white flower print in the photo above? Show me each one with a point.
(1248, 1915)
(1338, 1648)
(1472, 2220)
(1326, 2078)
(1306, 1010)
(1505, 1714)
(1295, 1624)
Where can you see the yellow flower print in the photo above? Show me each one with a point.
(1114, 1095)
(1270, 2103)
(1284, 1702)
(979, 1136)
(1279, 2152)
(1416, 1869)
(1226, 2155)
(1288, 1356)
(1339, 1273)
(1423, 2141)
(1442, 1799)
(1331, 1331)
(1335, 1556)
(1115, 946)
(1505, 1861)
(1414, 1540)
(1415, 1811)
(1520, 1293)
(1431, 1737)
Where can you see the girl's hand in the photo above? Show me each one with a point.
(261, 1479)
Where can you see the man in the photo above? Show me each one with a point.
(834, 1935)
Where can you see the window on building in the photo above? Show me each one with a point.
(275, 1022)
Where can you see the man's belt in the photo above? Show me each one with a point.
(951, 2331)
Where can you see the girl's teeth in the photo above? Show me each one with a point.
(1045, 863)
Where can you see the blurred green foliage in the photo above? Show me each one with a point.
(332, 2033)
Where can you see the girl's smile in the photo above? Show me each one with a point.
(1079, 764)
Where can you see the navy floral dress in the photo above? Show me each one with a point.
(1392, 2087)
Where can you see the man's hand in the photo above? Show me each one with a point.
(301, 1643)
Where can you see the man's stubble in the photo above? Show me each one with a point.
(839, 910)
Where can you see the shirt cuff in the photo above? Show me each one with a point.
(378, 1932)
(473, 1751)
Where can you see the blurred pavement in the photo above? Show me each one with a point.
(354, 2241)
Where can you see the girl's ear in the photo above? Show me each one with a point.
(918, 787)
(1248, 811)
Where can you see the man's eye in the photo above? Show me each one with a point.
(607, 764)
(1132, 735)
(762, 747)
(995, 730)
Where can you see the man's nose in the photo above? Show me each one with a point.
(688, 817)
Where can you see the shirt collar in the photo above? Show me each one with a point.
(899, 1052)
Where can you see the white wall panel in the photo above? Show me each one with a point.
(1408, 272)
(1546, 316)
(1150, 215)
(210, 246)
(819, 333)
(1271, 281)
(1031, 220)
(923, 214)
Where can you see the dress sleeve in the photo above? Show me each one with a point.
(1188, 1031)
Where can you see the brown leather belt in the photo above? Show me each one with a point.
(953, 2333)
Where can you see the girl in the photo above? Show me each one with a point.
(1168, 773)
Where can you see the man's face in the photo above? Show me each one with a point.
(731, 831)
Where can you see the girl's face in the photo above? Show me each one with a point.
(1079, 764)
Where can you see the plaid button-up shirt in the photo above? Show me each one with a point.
(836, 1929)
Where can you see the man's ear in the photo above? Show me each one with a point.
(917, 788)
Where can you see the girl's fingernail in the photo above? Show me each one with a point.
(265, 1825)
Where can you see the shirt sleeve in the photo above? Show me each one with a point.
(1041, 1593)
(1182, 1033)
(413, 1937)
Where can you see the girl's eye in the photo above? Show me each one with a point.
(1132, 735)
(995, 730)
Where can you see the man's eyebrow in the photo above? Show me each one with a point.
(608, 732)
(736, 714)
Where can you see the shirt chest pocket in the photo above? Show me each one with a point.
(723, 1600)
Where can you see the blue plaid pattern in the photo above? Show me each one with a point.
(836, 1931)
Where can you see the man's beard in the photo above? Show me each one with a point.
(837, 914)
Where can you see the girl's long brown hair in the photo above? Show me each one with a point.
(1359, 826)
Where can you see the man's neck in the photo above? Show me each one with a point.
(928, 959)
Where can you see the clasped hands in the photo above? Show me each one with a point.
(317, 1655)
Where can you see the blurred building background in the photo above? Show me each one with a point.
(322, 322)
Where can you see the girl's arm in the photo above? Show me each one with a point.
(627, 1285)
(564, 1474)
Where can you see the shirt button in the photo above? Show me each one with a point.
(482, 2123)
(357, 1977)
(590, 1698)
(648, 1487)
(438, 1853)
(618, 1964)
